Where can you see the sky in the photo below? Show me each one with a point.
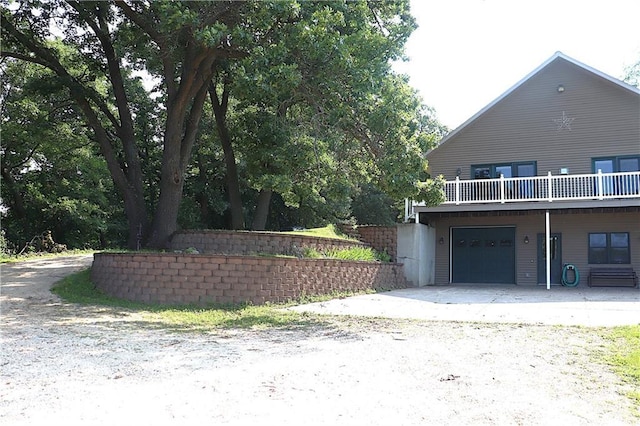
(466, 53)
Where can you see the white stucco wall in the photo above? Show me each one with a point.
(416, 251)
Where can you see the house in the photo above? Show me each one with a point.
(545, 176)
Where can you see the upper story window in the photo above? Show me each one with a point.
(618, 184)
(489, 171)
(629, 163)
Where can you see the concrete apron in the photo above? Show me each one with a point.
(591, 307)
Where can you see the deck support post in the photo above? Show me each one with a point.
(548, 249)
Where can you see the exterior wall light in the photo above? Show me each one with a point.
(441, 240)
(526, 239)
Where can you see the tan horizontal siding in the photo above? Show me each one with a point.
(574, 228)
(521, 127)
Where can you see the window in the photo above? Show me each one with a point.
(618, 185)
(489, 171)
(522, 189)
(617, 164)
(611, 248)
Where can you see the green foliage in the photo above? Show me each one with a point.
(371, 206)
(632, 74)
(626, 351)
(52, 178)
(316, 116)
(317, 113)
(77, 288)
(431, 191)
(311, 253)
(364, 254)
(5, 246)
(356, 253)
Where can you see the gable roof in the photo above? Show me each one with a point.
(555, 56)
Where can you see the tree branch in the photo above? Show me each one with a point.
(192, 125)
(23, 57)
(125, 131)
(148, 26)
(47, 58)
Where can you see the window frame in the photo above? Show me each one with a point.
(609, 249)
(615, 160)
(493, 166)
(613, 185)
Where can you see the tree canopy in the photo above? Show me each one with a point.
(253, 104)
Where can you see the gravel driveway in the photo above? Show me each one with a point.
(68, 364)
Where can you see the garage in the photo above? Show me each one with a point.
(483, 255)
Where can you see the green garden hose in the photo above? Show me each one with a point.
(576, 275)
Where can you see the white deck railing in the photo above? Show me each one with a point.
(594, 186)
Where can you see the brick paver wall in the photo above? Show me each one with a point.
(381, 238)
(170, 278)
(253, 243)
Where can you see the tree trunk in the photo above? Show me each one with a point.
(262, 210)
(233, 183)
(179, 138)
(137, 220)
(165, 218)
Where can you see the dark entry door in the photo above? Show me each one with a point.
(555, 241)
(483, 255)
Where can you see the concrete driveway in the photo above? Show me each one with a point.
(584, 306)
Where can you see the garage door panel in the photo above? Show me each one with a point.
(483, 255)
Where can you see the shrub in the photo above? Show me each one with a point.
(366, 254)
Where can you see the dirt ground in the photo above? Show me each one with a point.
(73, 365)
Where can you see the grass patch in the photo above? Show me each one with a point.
(78, 288)
(329, 231)
(365, 254)
(623, 354)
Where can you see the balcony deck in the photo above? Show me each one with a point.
(538, 192)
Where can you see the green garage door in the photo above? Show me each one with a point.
(483, 255)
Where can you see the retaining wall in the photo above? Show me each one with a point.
(255, 242)
(170, 278)
(381, 238)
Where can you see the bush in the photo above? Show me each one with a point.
(5, 249)
(365, 254)
(356, 253)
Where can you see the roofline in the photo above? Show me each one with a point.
(555, 56)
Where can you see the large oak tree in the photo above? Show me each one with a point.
(179, 42)
(315, 75)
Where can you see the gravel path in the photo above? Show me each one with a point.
(73, 365)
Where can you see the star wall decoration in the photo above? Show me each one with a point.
(564, 122)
